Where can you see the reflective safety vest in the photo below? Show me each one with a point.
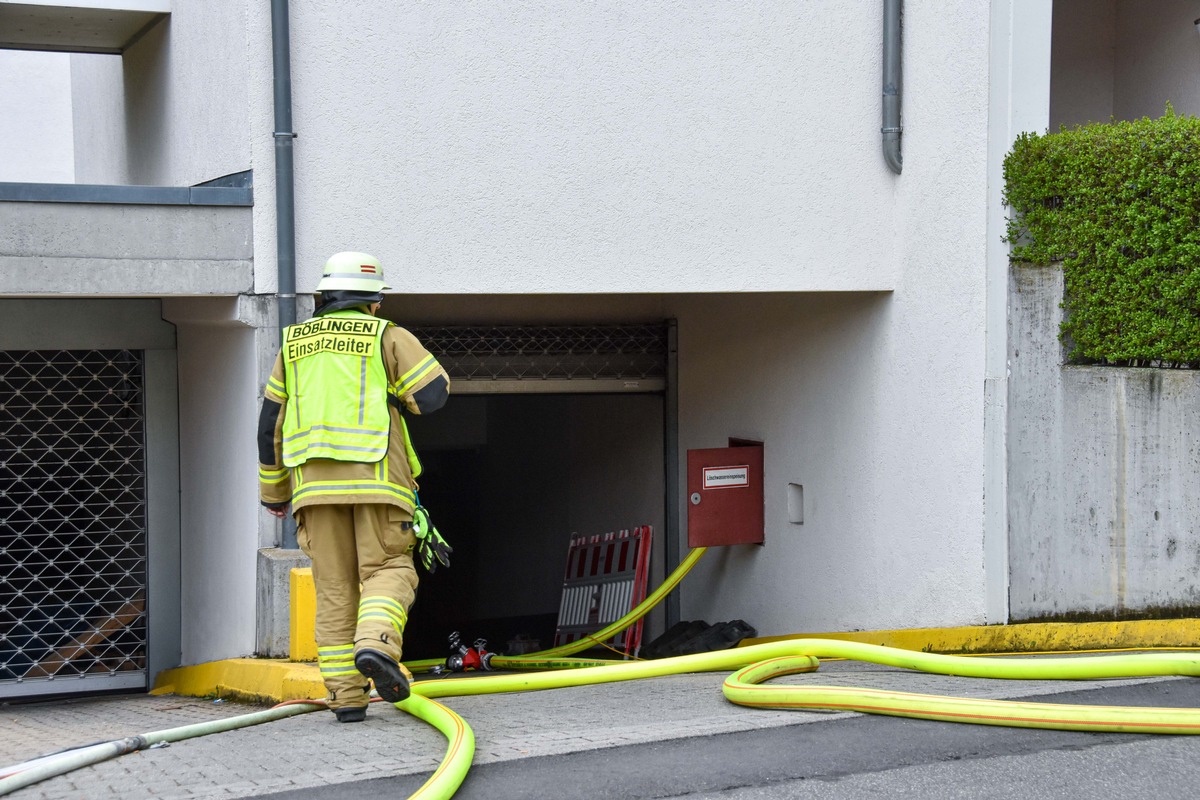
(337, 389)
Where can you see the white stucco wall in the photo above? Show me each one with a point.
(98, 112)
(638, 149)
(186, 120)
(217, 414)
(860, 398)
(884, 438)
(1158, 58)
(648, 149)
(36, 127)
(1124, 59)
(496, 148)
(874, 403)
(1084, 56)
(187, 88)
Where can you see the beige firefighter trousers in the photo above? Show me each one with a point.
(349, 545)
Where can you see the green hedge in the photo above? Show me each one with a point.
(1119, 205)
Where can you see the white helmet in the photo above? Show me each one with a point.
(352, 272)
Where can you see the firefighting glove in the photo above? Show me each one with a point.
(431, 547)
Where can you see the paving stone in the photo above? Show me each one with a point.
(313, 750)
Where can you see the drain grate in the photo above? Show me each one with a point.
(72, 520)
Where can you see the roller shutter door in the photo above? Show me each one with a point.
(72, 521)
(550, 358)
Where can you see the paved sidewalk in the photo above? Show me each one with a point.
(313, 750)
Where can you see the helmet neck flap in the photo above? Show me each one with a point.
(338, 300)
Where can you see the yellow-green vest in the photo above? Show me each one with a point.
(337, 389)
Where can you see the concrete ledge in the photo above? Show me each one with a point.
(127, 195)
(251, 679)
(1041, 637)
(274, 608)
(125, 249)
(78, 26)
(97, 277)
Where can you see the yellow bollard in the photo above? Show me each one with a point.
(302, 621)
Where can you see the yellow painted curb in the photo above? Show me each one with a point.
(254, 679)
(271, 680)
(1025, 637)
(302, 617)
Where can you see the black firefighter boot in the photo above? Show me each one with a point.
(350, 713)
(389, 679)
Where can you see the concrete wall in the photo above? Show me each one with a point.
(1104, 474)
(862, 399)
(226, 347)
(36, 134)
(1124, 59)
(1019, 100)
(644, 149)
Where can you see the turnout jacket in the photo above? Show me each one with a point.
(335, 358)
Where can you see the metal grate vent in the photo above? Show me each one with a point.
(72, 521)
(629, 356)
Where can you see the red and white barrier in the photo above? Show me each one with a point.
(605, 579)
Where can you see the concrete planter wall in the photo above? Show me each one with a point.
(1103, 474)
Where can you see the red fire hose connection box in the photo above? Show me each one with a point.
(725, 496)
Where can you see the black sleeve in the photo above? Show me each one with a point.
(267, 418)
(432, 395)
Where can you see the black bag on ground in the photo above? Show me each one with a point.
(697, 636)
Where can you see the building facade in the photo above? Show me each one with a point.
(706, 181)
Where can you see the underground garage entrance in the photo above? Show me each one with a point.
(549, 431)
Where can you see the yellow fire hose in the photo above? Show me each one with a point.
(460, 750)
(758, 663)
(547, 659)
(752, 666)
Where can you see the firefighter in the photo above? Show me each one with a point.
(333, 444)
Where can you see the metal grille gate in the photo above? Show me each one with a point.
(550, 358)
(72, 521)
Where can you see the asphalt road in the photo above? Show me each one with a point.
(862, 757)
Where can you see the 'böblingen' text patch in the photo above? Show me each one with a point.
(352, 337)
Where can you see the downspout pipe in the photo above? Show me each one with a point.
(285, 206)
(892, 86)
(285, 195)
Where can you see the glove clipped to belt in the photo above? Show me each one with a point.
(431, 547)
